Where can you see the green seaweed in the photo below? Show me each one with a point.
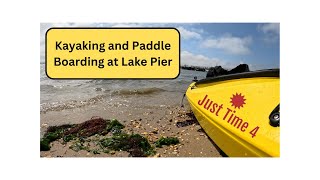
(166, 141)
(106, 151)
(52, 136)
(95, 151)
(115, 125)
(135, 144)
(44, 145)
(48, 138)
(78, 145)
(116, 142)
(142, 142)
(53, 133)
(69, 137)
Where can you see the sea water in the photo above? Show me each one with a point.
(57, 95)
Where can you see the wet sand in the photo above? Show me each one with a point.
(153, 123)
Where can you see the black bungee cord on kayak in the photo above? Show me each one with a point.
(182, 99)
(195, 79)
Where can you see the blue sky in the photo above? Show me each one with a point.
(211, 44)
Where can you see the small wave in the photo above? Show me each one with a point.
(46, 86)
(143, 91)
(59, 106)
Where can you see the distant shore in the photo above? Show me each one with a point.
(195, 68)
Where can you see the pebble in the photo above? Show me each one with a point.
(44, 125)
(157, 155)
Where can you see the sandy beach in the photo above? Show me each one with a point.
(165, 122)
(150, 108)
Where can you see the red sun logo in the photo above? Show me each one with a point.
(237, 100)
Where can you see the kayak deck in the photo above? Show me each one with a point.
(234, 111)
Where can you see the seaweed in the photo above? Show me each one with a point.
(44, 145)
(115, 127)
(48, 138)
(96, 125)
(53, 133)
(135, 144)
(117, 142)
(166, 141)
(68, 132)
(59, 128)
(95, 151)
(69, 137)
(78, 145)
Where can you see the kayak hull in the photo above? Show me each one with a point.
(234, 112)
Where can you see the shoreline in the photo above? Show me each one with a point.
(153, 123)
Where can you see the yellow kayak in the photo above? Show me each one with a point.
(240, 112)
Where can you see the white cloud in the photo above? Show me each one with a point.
(187, 34)
(269, 28)
(133, 24)
(126, 25)
(271, 32)
(230, 44)
(188, 58)
(45, 26)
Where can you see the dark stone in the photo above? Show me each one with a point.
(186, 123)
(219, 71)
(216, 71)
(239, 69)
